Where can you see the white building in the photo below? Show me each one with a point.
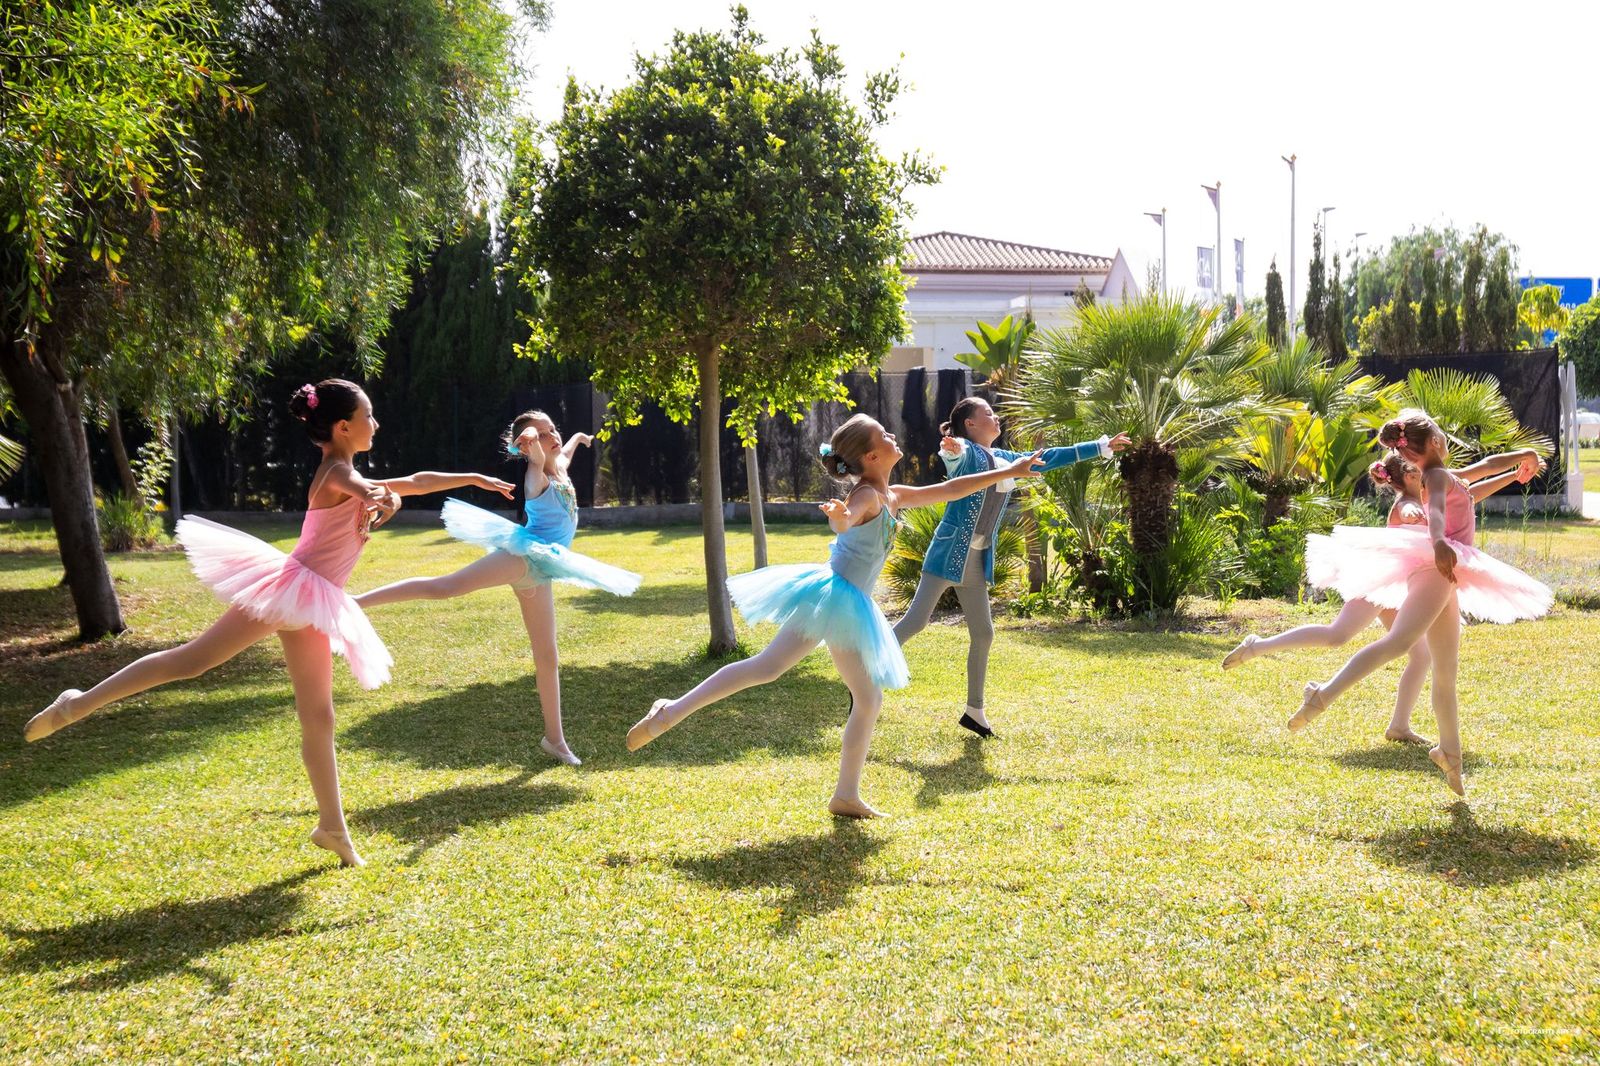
(959, 279)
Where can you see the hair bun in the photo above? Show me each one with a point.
(1378, 472)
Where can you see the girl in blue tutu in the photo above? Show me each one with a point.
(526, 557)
(833, 604)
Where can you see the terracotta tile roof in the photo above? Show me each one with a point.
(946, 252)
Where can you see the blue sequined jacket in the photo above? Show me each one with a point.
(947, 555)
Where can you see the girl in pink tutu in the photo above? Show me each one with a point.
(299, 596)
(1395, 474)
(526, 557)
(1430, 579)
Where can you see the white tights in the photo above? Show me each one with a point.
(1355, 616)
(771, 663)
(1429, 613)
(310, 663)
(538, 617)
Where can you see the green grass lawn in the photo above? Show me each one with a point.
(1589, 463)
(1145, 865)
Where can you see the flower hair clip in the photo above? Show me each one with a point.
(310, 393)
(824, 449)
(1379, 472)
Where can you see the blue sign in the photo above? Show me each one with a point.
(1574, 291)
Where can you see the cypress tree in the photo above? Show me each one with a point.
(1277, 317)
(1428, 339)
(1316, 288)
(1333, 321)
(1474, 324)
(1500, 302)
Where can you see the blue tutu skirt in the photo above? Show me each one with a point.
(823, 606)
(551, 562)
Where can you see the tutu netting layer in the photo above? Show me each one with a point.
(272, 587)
(551, 561)
(1375, 564)
(826, 607)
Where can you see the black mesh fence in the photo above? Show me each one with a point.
(1530, 381)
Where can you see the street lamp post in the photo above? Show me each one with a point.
(1290, 160)
(1161, 220)
(1325, 238)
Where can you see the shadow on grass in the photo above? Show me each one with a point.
(133, 734)
(1392, 756)
(430, 820)
(818, 872)
(498, 723)
(1131, 641)
(1465, 852)
(650, 601)
(165, 938)
(965, 772)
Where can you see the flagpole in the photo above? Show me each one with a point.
(1215, 192)
(1290, 158)
(1161, 220)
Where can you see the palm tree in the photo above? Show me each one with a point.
(1472, 411)
(1170, 374)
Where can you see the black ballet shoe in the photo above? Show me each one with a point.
(969, 722)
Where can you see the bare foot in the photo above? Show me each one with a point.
(1405, 736)
(56, 716)
(1311, 706)
(649, 727)
(1451, 768)
(559, 752)
(1241, 654)
(339, 844)
(852, 808)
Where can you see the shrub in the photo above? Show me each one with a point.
(126, 524)
(904, 567)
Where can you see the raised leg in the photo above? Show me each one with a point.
(771, 663)
(866, 701)
(1353, 617)
(311, 670)
(227, 637)
(496, 568)
(926, 598)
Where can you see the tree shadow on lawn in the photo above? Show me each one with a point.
(164, 938)
(498, 723)
(965, 772)
(134, 733)
(1115, 642)
(650, 601)
(430, 820)
(1392, 756)
(1467, 853)
(819, 872)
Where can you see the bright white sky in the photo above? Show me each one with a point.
(1062, 123)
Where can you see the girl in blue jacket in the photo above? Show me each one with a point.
(962, 552)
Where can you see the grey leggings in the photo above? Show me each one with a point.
(973, 594)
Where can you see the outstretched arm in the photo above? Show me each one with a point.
(861, 505)
(1524, 473)
(1490, 465)
(1056, 458)
(426, 481)
(570, 448)
(955, 488)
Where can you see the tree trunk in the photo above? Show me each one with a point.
(1038, 564)
(119, 452)
(718, 606)
(1150, 473)
(758, 521)
(1275, 509)
(51, 407)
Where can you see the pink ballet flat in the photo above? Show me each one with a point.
(1311, 706)
(649, 727)
(1242, 654)
(50, 719)
(1451, 768)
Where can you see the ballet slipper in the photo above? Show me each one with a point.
(1241, 654)
(562, 754)
(1311, 706)
(1451, 768)
(852, 808)
(1405, 736)
(339, 844)
(649, 727)
(50, 719)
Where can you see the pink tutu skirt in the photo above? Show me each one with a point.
(272, 587)
(1375, 564)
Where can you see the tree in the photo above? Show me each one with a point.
(1333, 322)
(169, 227)
(1277, 317)
(722, 228)
(1474, 322)
(1580, 344)
(1500, 302)
(1539, 313)
(1165, 372)
(1398, 333)
(1316, 288)
(1428, 339)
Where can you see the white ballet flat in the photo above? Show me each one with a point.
(50, 719)
(563, 755)
(1241, 654)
